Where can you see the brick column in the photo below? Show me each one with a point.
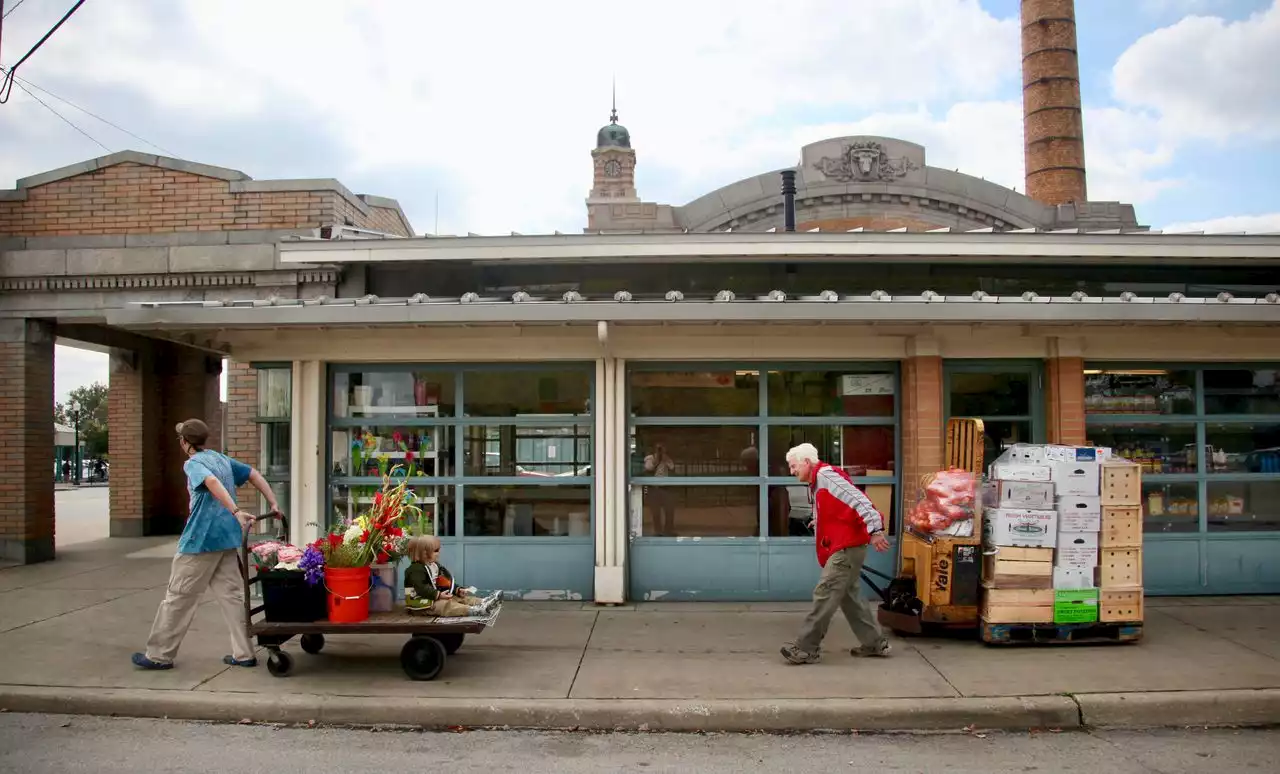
(26, 427)
(243, 437)
(153, 388)
(1064, 400)
(922, 426)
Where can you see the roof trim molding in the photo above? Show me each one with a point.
(129, 156)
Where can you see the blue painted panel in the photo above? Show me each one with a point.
(1244, 566)
(1171, 567)
(695, 569)
(540, 569)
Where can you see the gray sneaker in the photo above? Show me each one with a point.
(879, 650)
(796, 656)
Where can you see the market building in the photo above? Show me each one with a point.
(605, 415)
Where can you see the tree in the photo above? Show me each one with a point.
(92, 400)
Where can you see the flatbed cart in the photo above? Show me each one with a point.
(431, 639)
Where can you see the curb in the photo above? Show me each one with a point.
(1000, 713)
(1250, 707)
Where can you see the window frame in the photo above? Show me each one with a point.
(762, 422)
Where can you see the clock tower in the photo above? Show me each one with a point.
(614, 161)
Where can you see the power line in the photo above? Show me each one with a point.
(14, 8)
(91, 114)
(6, 88)
(49, 107)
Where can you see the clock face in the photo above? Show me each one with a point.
(613, 168)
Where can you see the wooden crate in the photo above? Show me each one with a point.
(1120, 568)
(1120, 605)
(1121, 527)
(1121, 483)
(1017, 614)
(965, 444)
(1005, 567)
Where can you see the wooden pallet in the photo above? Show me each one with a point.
(1060, 633)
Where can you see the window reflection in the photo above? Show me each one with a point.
(510, 450)
(791, 510)
(393, 394)
(862, 450)
(1241, 391)
(1139, 391)
(1242, 448)
(831, 394)
(527, 393)
(695, 393)
(697, 511)
(723, 450)
(983, 394)
(527, 511)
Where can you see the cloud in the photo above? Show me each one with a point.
(1206, 77)
(1256, 224)
(74, 367)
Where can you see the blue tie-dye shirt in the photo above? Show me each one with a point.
(211, 527)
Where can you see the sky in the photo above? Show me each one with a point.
(491, 109)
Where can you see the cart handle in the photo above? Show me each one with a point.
(244, 560)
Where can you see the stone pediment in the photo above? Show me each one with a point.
(864, 159)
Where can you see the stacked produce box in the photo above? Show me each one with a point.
(1062, 537)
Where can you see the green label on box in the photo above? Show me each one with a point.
(1075, 605)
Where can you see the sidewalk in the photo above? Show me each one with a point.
(67, 629)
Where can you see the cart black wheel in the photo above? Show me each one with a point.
(422, 658)
(279, 663)
(313, 643)
(451, 641)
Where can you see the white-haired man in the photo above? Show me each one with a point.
(845, 523)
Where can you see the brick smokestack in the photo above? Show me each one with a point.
(1053, 129)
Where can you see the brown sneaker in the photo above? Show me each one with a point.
(796, 656)
(879, 650)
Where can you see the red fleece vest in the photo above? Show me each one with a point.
(839, 525)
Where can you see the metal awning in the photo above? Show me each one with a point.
(829, 307)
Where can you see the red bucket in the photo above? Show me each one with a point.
(348, 589)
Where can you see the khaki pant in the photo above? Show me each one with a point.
(838, 589)
(218, 571)
(457, 607)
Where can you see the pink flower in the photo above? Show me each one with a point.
(289, 555)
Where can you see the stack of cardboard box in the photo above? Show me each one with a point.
(1062, 537)
(1019, 532)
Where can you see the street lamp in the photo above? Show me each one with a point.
(73, 411)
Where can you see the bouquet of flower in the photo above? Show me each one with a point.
(374, 537)
(274, 555)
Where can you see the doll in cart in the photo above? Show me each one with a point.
(430, 589)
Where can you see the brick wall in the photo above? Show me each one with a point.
(1064, 400)
(1053, 126)
(26, 402)
(922, 427)
(132, 198)
(243, 436)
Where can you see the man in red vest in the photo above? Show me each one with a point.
(846, 522)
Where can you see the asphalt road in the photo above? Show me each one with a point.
(66, 744)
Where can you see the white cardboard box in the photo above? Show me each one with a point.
(1072, 578)
(1080, 513)
(1056, 453)
(1076, 478)
(1018, 494)
(1028, 527)
(1078, 550)
(1019, 471)
(1023, 452)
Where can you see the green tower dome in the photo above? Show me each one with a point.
(613, 135)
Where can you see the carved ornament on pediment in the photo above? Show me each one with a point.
(865, 162)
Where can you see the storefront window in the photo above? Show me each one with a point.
(1156, 448)
(990, 394)
(393, 394)
(1170, 507)
(375, 450)
(719, 450)
(700, 511)
(275, 435)
(697, 436)
(527, 511)
(526, 393)
(791, 510)
(831, 394)
(512, 450)
(1244, 506)
(721, 393)
(412, 418)
(1139, 391)
(1241, 391)
(862, 450)
(1242, 448)
(1203, 427)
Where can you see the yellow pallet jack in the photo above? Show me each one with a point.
(939, 577)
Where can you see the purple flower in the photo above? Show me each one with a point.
(312, 564)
